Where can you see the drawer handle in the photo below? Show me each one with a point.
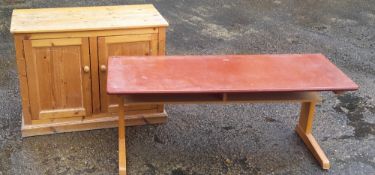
(86, 69)
(103, 68)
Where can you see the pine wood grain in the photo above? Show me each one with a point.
(99, 121)
(125, 45)
(59, 65)
(22, 78)
(121, 138)
(85, 18)
(304, 130)
(57, 80)
(95, 92)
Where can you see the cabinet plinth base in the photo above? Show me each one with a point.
(91, 123)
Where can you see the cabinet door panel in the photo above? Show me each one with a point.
(128, 45)
(58, 85)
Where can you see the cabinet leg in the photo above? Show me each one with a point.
(304, 130)
(121, 137)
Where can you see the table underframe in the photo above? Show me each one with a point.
(307, 100)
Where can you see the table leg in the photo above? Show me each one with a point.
(304, 130)
(121, 137)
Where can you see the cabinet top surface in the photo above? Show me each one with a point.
(228, 73)
(85, 18)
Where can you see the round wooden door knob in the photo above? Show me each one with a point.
(86, 69)
(103, 68)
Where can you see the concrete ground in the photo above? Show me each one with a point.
(215, 139)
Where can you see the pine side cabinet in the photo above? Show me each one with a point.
(62, 54)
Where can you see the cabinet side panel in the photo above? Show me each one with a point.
(32, 80)
(161, 52)
(22, 77)
(162, 40)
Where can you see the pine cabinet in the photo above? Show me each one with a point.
(62, 54)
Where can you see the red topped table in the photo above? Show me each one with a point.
(226, 79)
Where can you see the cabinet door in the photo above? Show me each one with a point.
(126, 45)
(58, 72)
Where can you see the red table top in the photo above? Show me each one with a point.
(225, 73)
